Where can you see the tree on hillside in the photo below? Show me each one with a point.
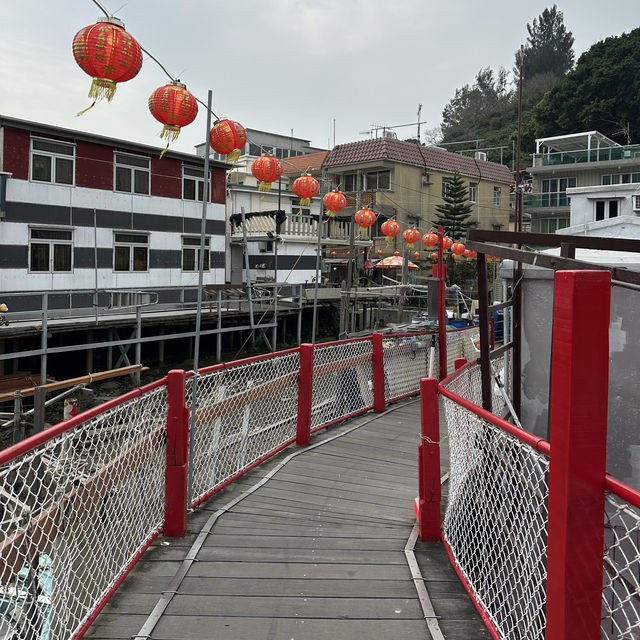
(601, 93)
(549, 48)
(454, 214)
(478, 107)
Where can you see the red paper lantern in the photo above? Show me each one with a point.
(390, 228)
(267, 169)
(474, 255)
(108, 54)
(416, 254)
(434, 255)
(333, 254)
(334, 201)
(458, 249)
(365, 218)
(396, 253)
(468, 254)
(228, 137)
(430, 239)
(174, 107)
(379, 252)
(411, 236)
(305, 187)
(446, 244)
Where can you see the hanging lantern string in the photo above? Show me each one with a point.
(204, 104)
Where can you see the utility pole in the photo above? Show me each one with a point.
(419, 112)
(350, 256)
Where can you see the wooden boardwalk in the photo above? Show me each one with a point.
(315, 553)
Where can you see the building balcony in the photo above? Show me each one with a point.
(546, 200)
(587, 156)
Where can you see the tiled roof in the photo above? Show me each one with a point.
(415, 154)
(307, 162)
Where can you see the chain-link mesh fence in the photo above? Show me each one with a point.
(243, 412)
(342, 381)
(496, 517)
(74, 513)
(621, 588)
(406, 360)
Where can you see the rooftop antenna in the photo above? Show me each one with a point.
(419, 112)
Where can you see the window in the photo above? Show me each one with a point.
(497, 195)
(52, 161)
(132, 173)
(377, 180)
(445, 186)
(350, 182)
(192, 183)
(636, 203)
(191, 253)
(551, 225)
(130, 252)
(413, 222)
(473, 192)
(620, 178)
(558, 185)
(606, 209)
(50, 250)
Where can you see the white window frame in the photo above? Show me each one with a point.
(133, 169)
(497, 196)
(446, 183)
(54, 158)
(473, 192)
(636, 202)
(198, 179)
(132, 245)
(52, 243)
(192, 244)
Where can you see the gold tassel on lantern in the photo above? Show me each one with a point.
(170, 132)
(232, 156)
(264, 186)
(102, 88)
(305, 202)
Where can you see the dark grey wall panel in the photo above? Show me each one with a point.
(13, 256)
(59, 301)
(149, 222)
(113, 219)
(82, 217)
(37, 213)
(166, 296)
(84, 257)
(165, 259)
(81, 300)
(213, 227)
(217, 259)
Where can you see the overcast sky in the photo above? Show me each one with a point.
(278, 65)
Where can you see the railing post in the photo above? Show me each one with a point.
(379, 402)
(579, 399)
(458, 363)
(305, 393)
(429, 493)
(175, 501)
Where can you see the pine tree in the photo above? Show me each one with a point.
(454, 214)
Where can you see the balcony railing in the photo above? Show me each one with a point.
(558, 199)
(587, 155)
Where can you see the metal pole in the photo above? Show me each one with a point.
(17, 410)
(350, 256)
(43, 339)
(245, 249)
(95, 261)
(196, 350)
(314, 323)
(219, 336)
(136, 375)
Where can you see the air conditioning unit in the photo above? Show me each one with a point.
(426, 178)
(389, 134)
(481, 155)
(636, 203)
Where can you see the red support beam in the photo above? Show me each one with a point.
(305, 393)
(458, 363)
(429, 492)
(579, 401)
(379, 402)
(175, 501)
